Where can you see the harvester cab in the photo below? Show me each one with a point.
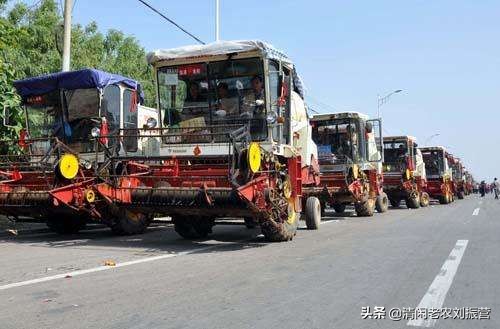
(404, 172)
(67, 116)
(235, 141)
(350, 154)
(439, 174)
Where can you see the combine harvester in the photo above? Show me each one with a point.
(235, 142)
(439, 174)
(50, 173)
(404, 172)
(459, 182)
(469, 183)
(350, 156)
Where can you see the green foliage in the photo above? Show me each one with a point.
(31, 45)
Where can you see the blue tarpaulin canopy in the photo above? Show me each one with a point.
(81, 79)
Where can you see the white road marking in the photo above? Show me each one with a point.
(475, 212)
(436, 294)
(329, 221)
(105, 268)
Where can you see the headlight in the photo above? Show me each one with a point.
(86, 164)
(271, 117)
(151, 122)
(95, 132)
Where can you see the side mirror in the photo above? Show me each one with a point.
(369, 127)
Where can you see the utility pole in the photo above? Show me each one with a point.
(66, 58)
(217, 5)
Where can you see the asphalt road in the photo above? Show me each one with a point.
(432, 258)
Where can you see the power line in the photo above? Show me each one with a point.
(171, 21)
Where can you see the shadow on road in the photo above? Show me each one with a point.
(159, 238)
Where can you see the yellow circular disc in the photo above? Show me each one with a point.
(68, 166)
(408, 174)
(355, 171)
(90, 196)
(254, 157)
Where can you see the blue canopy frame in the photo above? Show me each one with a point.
(81, 79)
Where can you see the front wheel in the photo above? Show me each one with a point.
(339, 208)
(192, 228)
(382, 203)
(424, 200)
(130, 222)
(395, 202)
(282, 224)
(313, 213)
(413, 202)
(366, 208)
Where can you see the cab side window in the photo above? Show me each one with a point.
(130, 120)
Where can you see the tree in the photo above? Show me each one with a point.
(30, 45)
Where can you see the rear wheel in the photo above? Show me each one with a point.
(382, 203)
(313, 213)
(460, 195)
(366, 208)
(339, 208)
(395, 203)
(130, 222)
(66, 225)
(193, 227)
(413, 202)
(424, 199)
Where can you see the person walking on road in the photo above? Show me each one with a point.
(496, 187)
(482, 188)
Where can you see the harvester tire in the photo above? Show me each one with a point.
(366, 208)
(313, 213)
(250, 223)
(339, 208)
(382, 203)
(460, 195)
(443, 199)
(276, 230)
(192, 228)
(424, 200)
(130, 223)
(66, 225)
(395, 203)
(413, 202)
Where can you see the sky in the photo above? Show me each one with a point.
(443, 54)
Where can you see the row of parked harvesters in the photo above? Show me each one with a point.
(231, 137)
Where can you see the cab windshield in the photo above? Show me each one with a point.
(338, 141)
(46, 117)
(434, 164)
(395, 153)
(205, 98)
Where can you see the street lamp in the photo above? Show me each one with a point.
(429, 138)
(385, 99)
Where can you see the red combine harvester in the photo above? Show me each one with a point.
(439, 176)
(459, 180)
(350, 156)
(50, 172)
(234, 141)
(469, 183)
(404, 172)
